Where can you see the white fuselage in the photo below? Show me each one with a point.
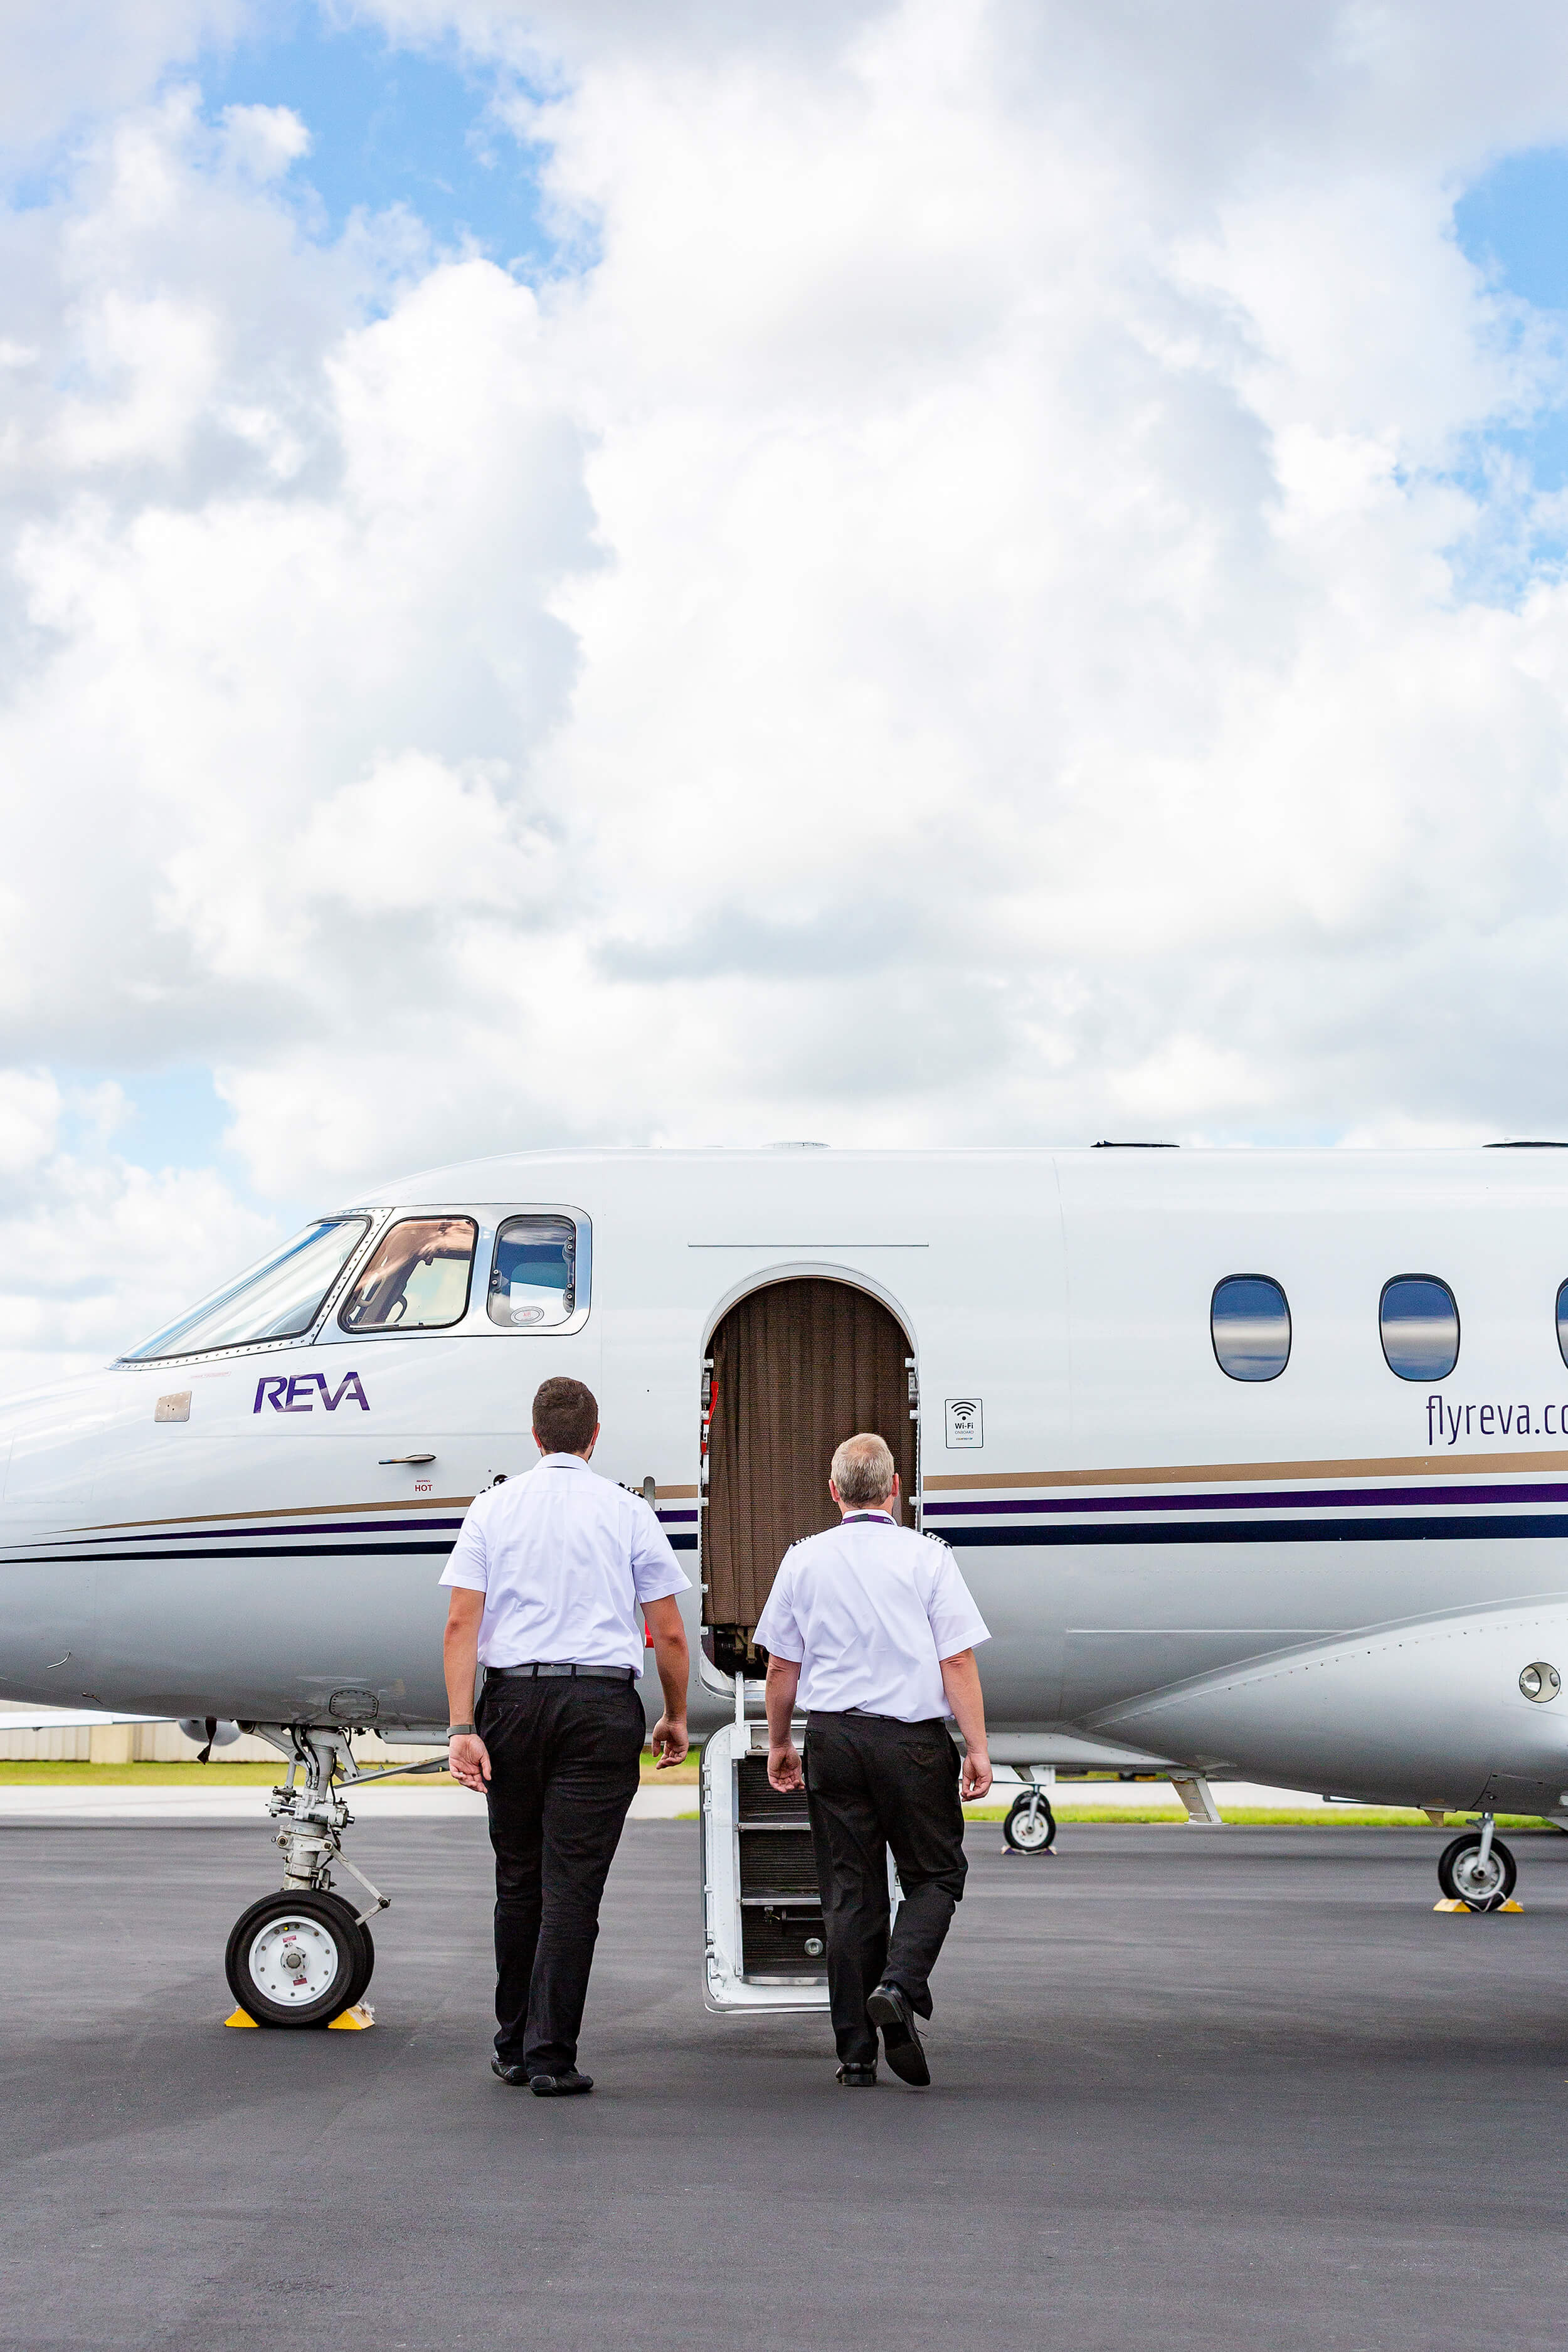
(1332, 1578)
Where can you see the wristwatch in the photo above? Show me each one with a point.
(458, 1730)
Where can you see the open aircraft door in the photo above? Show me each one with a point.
(792, 1368)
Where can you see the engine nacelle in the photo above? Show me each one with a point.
(1429, 1713)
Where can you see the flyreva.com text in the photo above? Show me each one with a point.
(1446, 1423)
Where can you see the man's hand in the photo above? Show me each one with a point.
(668, 1740)
(961, 1681)
(784, 1772)
(468, 1760)
(671, 1656)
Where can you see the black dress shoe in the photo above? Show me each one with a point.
(569, 2085)
(890, 2008)
(516, 2076)
(858, 2077)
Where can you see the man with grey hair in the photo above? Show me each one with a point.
(871, 1627)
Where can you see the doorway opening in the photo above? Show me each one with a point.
(793, 1369)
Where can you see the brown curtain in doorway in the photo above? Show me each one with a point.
(797, 1366)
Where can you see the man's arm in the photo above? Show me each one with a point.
(467, 1757)
(961, 1681)
(784, 1770)
(669, 1737)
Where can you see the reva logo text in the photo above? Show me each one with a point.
(299, 1394)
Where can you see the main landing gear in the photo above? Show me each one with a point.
(1030, 1826)
(305, 1955)
(1477, 1869)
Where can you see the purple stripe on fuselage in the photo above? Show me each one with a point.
(669, 1518)
(1297, 1499)
(388, 1527)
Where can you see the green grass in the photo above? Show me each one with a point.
(52, 1775)
(188, 1774)
(1354, 1817)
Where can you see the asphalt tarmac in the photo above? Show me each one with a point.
(1238, 2089)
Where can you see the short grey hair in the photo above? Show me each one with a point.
(863, 1470)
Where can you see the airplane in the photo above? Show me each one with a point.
(1256, 1461)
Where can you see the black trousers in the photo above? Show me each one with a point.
(564, 1758)
(872, 1782)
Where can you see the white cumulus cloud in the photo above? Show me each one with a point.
(964, 607)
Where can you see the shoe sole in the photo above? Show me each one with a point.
(901, 2044)
(560, 2090)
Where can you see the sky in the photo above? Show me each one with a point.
(900, 572)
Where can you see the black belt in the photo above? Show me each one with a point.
(595, 1674)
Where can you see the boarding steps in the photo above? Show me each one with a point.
(762, 1904)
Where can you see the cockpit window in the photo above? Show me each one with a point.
(279, 1298)
(417, 1279)
(539, 1278)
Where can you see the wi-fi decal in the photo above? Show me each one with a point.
(965, 1423)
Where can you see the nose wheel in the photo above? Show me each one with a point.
(298, 1959)
(1030, 1826)
(1478, 1870)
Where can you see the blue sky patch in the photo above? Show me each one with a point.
(1513, 224)
(175, 1117)
(390, 125)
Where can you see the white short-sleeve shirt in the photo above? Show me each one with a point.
(869, 1611)
(564, 1558)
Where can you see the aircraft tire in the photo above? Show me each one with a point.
(334, 1959)
(1458, 1878)
(1030, 1826)
(360, 1980)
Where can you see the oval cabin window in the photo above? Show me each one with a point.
(1562, 1320)
(1419, 1326)
(1251, 1323)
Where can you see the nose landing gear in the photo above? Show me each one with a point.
(302, 1956)
(1478, 1870)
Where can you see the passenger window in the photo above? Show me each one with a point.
(1562, 1320)
(539, 1278)
(1419, 1324)
(417, 1277)
(1250, 1324)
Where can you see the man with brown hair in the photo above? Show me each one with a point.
(551, 1575)
(873, 1628)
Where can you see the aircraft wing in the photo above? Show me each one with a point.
(65, 1718)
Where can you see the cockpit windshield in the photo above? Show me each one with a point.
(277, 1298)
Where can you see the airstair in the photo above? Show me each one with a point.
(762, 1903)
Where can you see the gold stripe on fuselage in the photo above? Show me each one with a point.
(324, 1510)
(1237, 1473)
